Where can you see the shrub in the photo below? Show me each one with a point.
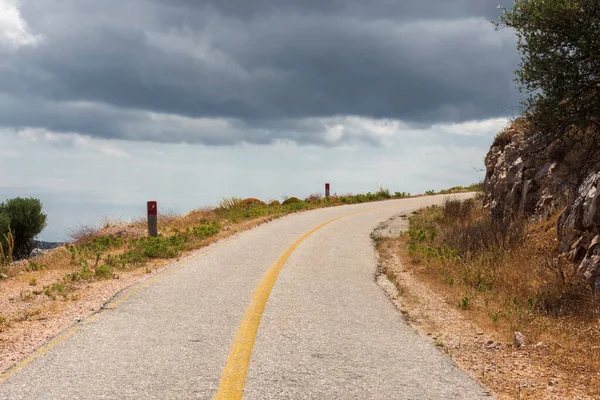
(383, 193)
(504, 138)
(291, 200)
(274, 203)
(229, 202)
(103, 272)
(455, 210)
(246, 203)
(314, 198)
(206, 230)
(26, 220)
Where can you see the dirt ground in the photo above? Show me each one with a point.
(508, 372)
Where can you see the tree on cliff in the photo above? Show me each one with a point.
(559, 41)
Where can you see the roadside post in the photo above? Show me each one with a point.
(327, 190)
(152, 218)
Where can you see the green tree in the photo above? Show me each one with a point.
(559, 41)
(26, 219)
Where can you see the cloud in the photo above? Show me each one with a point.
(14, 31)
(485, 128)
(225, 72)
(71, 140)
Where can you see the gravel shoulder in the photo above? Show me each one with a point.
(509, 373)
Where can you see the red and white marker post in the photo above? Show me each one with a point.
(152, 218)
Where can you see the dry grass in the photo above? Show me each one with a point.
(509, 278)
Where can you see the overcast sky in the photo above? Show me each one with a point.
(107, 104)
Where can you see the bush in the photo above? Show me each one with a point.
(383, 193)
(251, 202)
(314, 198)
(291, 200)
(503, 138)
(26, 220)
(206, 230)
(456, 210)
(275, 203)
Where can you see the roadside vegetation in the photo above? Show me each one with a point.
(507, 278)
(38, 288)
(21, 219)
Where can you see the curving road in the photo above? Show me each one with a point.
(327, 330)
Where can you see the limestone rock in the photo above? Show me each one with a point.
(36, 253)
(519, 340)
(524, 180)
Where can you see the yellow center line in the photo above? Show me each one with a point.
(233, 379)
(251, 313)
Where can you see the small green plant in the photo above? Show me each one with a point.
(34, 266)
(103, 272)
(494, 316)
(33, 282)
(464, 303)
(4, 324)
(430, 192)
(6, 256)
(206, 230)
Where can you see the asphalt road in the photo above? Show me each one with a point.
(327, 331)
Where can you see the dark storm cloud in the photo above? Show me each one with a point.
(267, 69)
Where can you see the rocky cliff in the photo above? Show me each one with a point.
(527, 179)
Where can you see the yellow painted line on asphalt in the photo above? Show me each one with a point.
(73, 330)
(112, 305)
(233, 379)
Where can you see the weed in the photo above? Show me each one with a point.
(464, 303)
(26, 295)
(33, 282)
(34, 266)
(6, 255)
(229, 202)
(103, 272)
(4, 324)
(494, 315)
(206, 230)
(28, 314)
